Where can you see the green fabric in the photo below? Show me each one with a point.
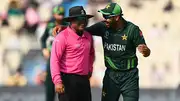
(50, 47)
(132, 63)
(117, 83)
(110, 62)
(49, 41)
(58, 10)
(111, 9)
(51, 25)
(49, 86)
(117, 10)
(119, 46)
(16, 12)
(49, 30)
(129, 64)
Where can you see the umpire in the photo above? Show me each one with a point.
(46, 44)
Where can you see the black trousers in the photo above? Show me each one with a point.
(77, 87)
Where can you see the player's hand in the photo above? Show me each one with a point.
(144, 50)
(42, 76)
(46, 53)
(59, 88)
(56, 30)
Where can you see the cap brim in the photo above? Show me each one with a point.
(68, 19)
(103, 11)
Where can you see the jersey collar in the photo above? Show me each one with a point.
(84, 35)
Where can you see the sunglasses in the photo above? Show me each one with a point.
(60, 13)
(108, 16)
(81, 19)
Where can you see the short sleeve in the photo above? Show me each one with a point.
(138, 37)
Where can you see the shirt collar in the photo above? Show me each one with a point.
(84, 35)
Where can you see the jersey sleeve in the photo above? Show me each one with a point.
(96, 29)
(138, 37)
(58, 48)
(44, 38)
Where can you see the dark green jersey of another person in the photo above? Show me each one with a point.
(120, 40)
(46, 44)
(57, 19)
(119, 45)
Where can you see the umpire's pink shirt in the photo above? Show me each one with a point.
(71, 54)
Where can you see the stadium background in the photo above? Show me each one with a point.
(20, 47)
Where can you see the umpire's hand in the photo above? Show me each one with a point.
(59, 88)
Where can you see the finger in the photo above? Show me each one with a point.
(141, 51)
(54, 33)
(145, 48)
(59, 29)
(62, 90)
(145, 51)
(55, 29)
(57, 91)
(139, 48)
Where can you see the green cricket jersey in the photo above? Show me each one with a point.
(47, 38)
(119, 45)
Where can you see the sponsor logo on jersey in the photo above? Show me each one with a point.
(114, 47)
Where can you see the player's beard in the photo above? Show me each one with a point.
(112, 24)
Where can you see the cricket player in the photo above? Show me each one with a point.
(120, 40)
(46, 44)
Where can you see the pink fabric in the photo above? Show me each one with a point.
(71, 54)
(31, 16)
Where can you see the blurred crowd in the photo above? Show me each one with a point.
(22, 22)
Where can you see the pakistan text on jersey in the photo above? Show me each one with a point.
(114, 47)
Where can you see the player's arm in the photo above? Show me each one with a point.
(139, 42)
(92, 57)
(43, 43)
(96, 29)
(57, 51)
(44, 38)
